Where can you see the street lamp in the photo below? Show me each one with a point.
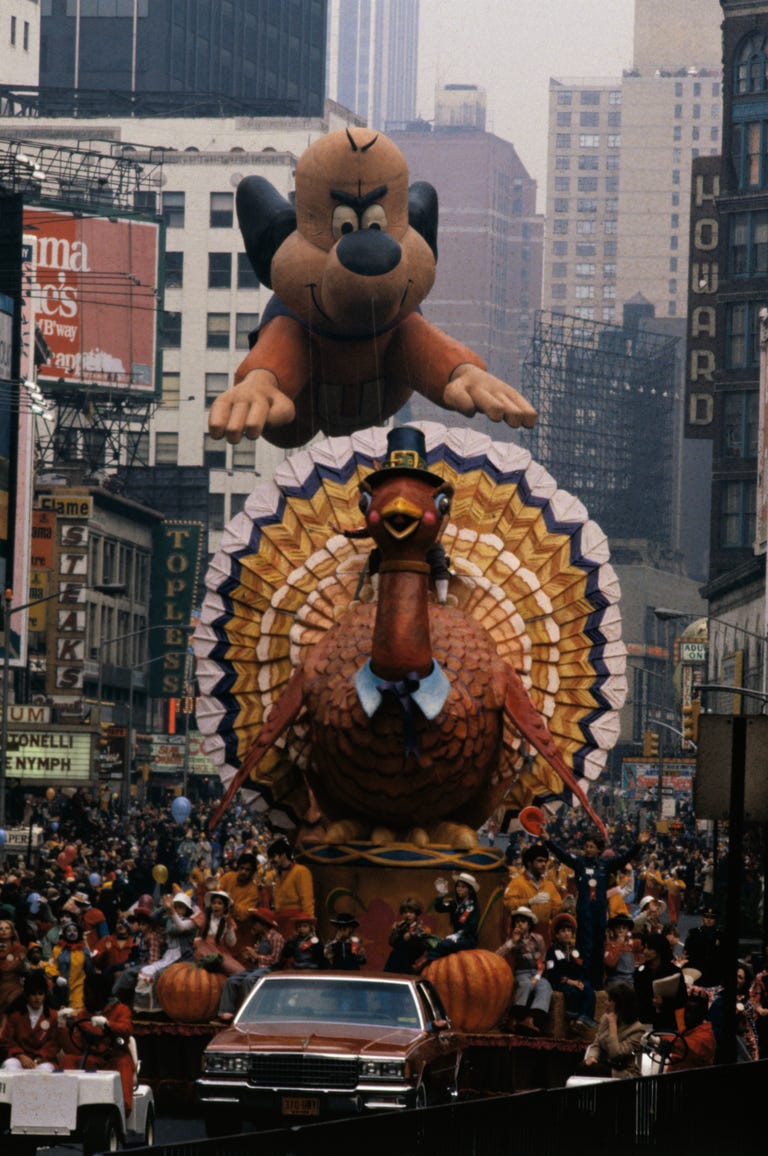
(9, 609)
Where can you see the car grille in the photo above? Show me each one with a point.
(302, 1071)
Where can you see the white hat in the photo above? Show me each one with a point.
(182, 898)
(527, 914)
(465, 877)
(646, 900)
(209, 895)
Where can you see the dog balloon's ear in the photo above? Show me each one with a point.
(422, 212)
(266, 218)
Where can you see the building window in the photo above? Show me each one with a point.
(612, 205)
(559, 269)
(145, 201)
(585, 249)
(584, 292)
(244, 455)
(740, 424)
(585, 269)
(564, 97)
(563, 120)
(588, 163)
(214, 453)
(13, 30)
(138, 449)
(675, 200)
(560, 227)
(678, 111)
(609, 271)
(737, 513)
(589, 141)
(173, 210)
(612, 164)
(590, 96)
(222, 210)
(25, 42)
(562, 163)
(614, 140)
(677, 132)
(749, 244)
(563, 140)
(562, 184)
(246, 278)
(742, 335)
(614, 96)
(751, 64)
(608, 313)
(166, 449)
(609, 292)
(588, 184)
(171, 336)
(245, 323)
(610, 226)
(673, 264)
(215, 384)
(237, 502)
(586, 205)
(219, 270)
(586, 228)
(559, 292)
(561, 204)
(614, 120)
(174, 269)
(218, 331)
(216, 511)
(697, 112)
(750, 145)
(678, 88)
(171, 389)
(610, 248)
(589, 119)
(559, 248)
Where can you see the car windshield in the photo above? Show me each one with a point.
(332, 1001)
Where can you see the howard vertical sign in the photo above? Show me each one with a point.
(705, 264)
(175, 575)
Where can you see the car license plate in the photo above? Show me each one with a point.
(301, 1106)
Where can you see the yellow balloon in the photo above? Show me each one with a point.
(160, 873)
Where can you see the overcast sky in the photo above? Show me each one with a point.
(511, 48)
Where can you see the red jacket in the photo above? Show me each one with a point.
(693, 1047)
(43, 1042)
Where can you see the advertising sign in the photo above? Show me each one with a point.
(95, 293)
(175, 574)
(50, 754)
(640, 778)
(166, 755)
(705, 263)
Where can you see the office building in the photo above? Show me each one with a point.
(372, 59)
(183, 57)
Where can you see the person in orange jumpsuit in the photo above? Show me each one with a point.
(694, 1045)
(96, 1038)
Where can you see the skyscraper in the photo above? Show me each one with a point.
(191, 58)
(619, 167)
(373, 50)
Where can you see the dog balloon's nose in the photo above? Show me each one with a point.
(368, 252)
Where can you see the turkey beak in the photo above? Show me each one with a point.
(401, 518)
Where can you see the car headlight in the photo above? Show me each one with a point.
(236, 1062)
(382, 1069)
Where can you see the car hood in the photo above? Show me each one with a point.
(341, 1039)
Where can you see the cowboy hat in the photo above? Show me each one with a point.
(465, 877)
(264, 915)
(526, 913)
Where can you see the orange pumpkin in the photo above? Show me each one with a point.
(475, 986)
(188, 993)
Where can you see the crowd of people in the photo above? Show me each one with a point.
(113, 900)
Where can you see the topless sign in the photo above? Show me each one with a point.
(95, 297)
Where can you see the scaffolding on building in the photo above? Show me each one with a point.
(605, 400)
(91, 433)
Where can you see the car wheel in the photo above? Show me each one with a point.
(422, 1099)
(100, 1133)
(218, 1123)
(149, 1128)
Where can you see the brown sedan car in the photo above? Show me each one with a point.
(307, 1045)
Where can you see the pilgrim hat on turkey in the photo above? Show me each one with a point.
(406, 454)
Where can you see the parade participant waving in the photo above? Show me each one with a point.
(464, 911)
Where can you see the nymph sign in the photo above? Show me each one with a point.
(96, 298)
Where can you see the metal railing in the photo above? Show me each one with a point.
(697, 1113)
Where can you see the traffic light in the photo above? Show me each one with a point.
(691, 714)
(650, 745)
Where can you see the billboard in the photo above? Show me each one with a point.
(95, 296)
(176, 562)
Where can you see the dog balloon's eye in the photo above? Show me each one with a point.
(344, 220)
(374, 217)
